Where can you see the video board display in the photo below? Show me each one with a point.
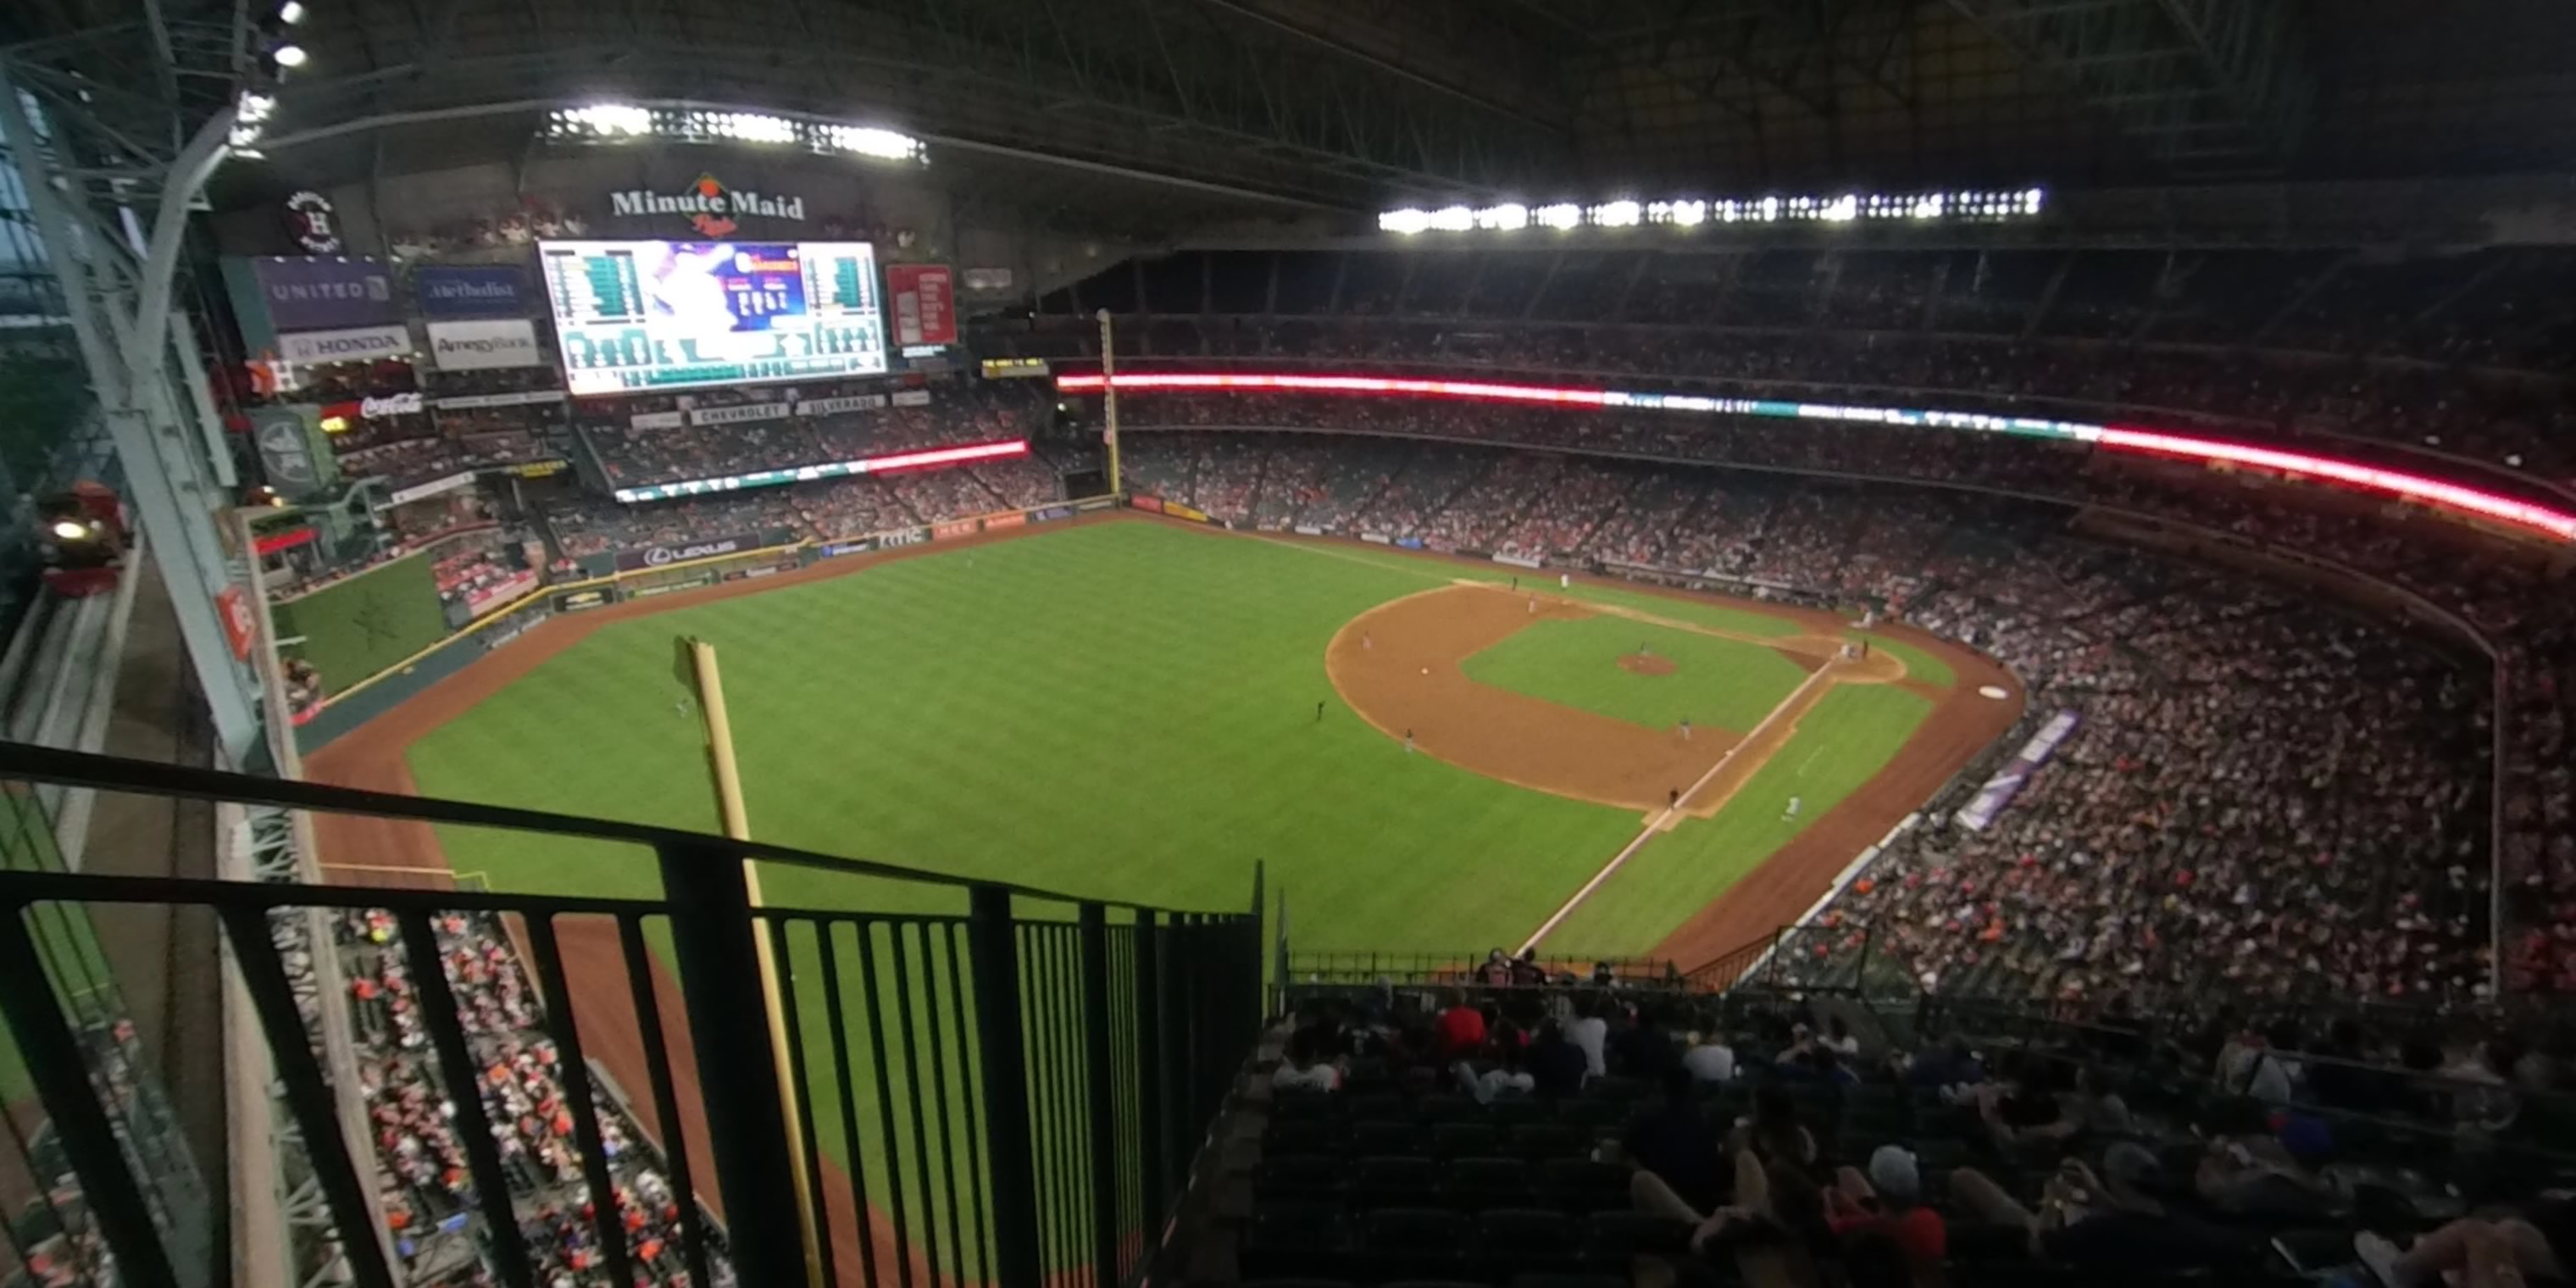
(636, 316)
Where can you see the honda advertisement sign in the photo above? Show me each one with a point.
(484, 346)
(325, 292)
(471, 291)
(925, 303)
(353, 344)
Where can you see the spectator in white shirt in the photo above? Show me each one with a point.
(1299, 1070)
(1592, 1033)
(1710, 1059)
(1838, 1036)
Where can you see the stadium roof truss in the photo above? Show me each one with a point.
(1271, 97)
(2203, 85)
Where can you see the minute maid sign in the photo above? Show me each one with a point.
(712, 208)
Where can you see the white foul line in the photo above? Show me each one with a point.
(1669, 812)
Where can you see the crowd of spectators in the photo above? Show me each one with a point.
(2463, 355)
(2293, 801)
(1783, 1143)
(428, 1187)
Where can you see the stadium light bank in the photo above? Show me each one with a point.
(2464, 501)
(1965, 206)
(622, 122)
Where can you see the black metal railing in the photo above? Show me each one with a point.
(1463, 969)
(1010, 1096)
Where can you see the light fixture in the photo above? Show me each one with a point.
(291, 12)
(71, 530)
(290, 55)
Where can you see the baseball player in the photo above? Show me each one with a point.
(1685, 728)
(1319, 713)
(1796, 803)
(1676, 802)
(1408, 742)
(1367, 642)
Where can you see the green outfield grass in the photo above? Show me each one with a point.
(1115, 711)
(1717, 683)
(1851, 734)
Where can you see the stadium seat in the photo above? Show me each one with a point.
(1295, 1240)
(1303, 1177)
(1301, 1106)
(1474, 1184)
(1448, 1109)
(1386, 1138)
(1596, 1113)
(1612, 1236)
(1545, 1279)
(1413, 1243)
(1510, 1239)
(1394, 1180)
(1542, 1141)
(1581, 1186)
(1376, 1107)
(1463, 1140)
(1516, 1113)
(1301, 1138)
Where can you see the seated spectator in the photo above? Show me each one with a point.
(1644, 1050)
(2087, 1224)
(1776, 1232)
(1890, 1200)
(1305, 1067)
(2249, 1171)
(1460, 1028)
(2541, 1244)
(2024, 1111)
(1509, 1079)
(1496, 972)
(1773, 1133)
(1709, 1058)
(1839, 1038)
(1526, 972)
(1675, 1150)
(1557, 1066)
(1591, 1033)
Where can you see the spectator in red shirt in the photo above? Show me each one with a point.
(1889, 1201)
(1461, 1029)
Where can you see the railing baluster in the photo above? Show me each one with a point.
(464, 1082)
(52, 1055)
(575, 1076)
(666, 1100)
(886, 1093)
(1103, 1107)
(899, 934)
(932, 934)
(711, 925)
(799, 1078)
(995, 955)
(308, 1094)
(1149, 1065)
(966, 1072)
(845, 1096)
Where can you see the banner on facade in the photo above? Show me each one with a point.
(484, 346)
(1998, 792)
(350, 344)
(423, 491)
(740, 413)
(471, 291)
(657, 420)
(836, 406)
(911, 398)
(925, 303)
(325, 292)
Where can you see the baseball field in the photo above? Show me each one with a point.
(1427, 755)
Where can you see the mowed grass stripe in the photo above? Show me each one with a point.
(1852, 733)
(1715, 683)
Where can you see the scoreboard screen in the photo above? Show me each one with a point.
(634, 316)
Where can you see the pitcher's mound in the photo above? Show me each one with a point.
(1645, 664)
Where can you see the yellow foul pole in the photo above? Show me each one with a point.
(737, 824)
(1109, 397)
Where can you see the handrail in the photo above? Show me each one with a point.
(180, 782)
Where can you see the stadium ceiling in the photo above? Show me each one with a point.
(1273, 106)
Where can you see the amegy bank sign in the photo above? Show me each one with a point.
(712, 208)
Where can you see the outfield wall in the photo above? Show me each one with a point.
(358, 626)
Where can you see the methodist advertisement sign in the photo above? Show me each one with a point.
(485, 345)
(471, 291)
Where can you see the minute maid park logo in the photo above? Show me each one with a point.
(711, 207)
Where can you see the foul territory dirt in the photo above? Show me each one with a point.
(1378, 661)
